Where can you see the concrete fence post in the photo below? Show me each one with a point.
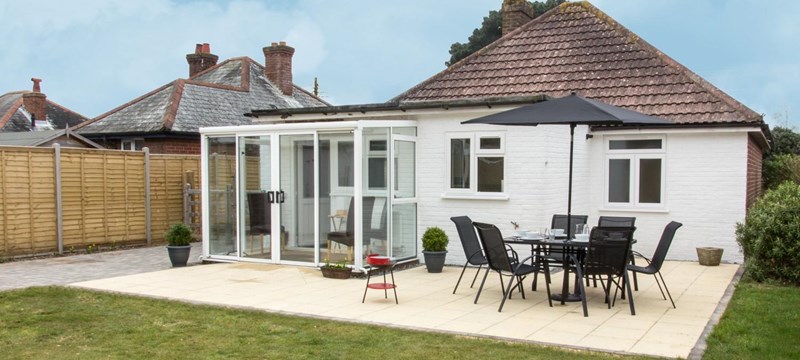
(147, 195)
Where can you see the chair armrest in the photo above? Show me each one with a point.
(479, 252)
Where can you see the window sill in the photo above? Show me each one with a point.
(494, 197)
(639, 210)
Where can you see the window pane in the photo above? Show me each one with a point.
(490, 143)
(346, 163)
(619, 180)
(459, 163)
(634, 144)
(377, 145)
(490, 174)
(376, 173)
(650, 181)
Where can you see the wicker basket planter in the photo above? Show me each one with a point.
(335, 273)
(709, 256)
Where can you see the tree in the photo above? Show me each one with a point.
(491, 30)
(785, 141)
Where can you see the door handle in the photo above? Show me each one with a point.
(281, 197)
(271, 197)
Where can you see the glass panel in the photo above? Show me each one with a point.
(296, 197)
(619, 180)
(221, 195)
(490, 143)
(374, 201)
(650, 181)
(410, 131)
(334, 202)
(459, 163)
(490, 174)
(256, 171)
(374, 224)
(376, 161)
(404, 230)
(376, 172)
(345, 162)
(404, 169)
(634, 144)
(377, 145)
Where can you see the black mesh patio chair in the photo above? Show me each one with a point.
(618, 221)
(347, 237)
(607, 256)
(560, 222)
(471, 245)
(504, 261)
(654, 265)
(259, 211)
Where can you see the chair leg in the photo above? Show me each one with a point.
(478, 295)
(506, 293)
(630, 293)
(659, 287)
(579, 271)
(476, 276)
(547, 285)
(459, 277)
(635, 280)
(535, 279)
(665, 288)
(329, 251)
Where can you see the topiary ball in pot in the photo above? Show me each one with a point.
(178, 238)
(434, 248)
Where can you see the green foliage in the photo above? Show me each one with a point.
(178, 235)
(342, 264)
(434, 239)
(780, 168)
(491, 30)
(770, 236)
(785, 141)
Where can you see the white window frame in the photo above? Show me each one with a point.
(131, 144)
(475, 153)
(634, 156)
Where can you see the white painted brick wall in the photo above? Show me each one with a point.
(705, 180)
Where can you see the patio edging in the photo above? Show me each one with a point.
(700, 346)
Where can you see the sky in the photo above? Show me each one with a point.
(95, 55)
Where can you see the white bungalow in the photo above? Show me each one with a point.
(409, 164)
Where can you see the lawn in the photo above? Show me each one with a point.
(761, 322)
(63, 323)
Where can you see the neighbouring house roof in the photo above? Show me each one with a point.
(15, 118)
(577, 48)
(218, 96)
(45, 137)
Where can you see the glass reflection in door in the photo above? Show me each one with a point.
(257, 196)
(221, 195)
(296, 197)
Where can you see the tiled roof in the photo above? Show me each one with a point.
(577, 48)
(218, 96)
(14, 117)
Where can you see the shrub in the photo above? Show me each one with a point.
(434, 239)
(770, 236)
(780, 168)
(178, 235)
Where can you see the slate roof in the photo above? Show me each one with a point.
(218, 96)
(36, 138)
(576, 47)
(14, 117)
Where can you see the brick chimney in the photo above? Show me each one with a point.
(35, 102)
(278, 67)
(515, 13)
(201, 59)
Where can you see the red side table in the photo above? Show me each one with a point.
(383, 263)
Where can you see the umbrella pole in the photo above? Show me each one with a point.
(569, 189)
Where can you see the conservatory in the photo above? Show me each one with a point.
(310, 192)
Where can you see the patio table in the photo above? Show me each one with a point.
(572, 251)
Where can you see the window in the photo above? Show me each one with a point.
(475, 169)
(635, 172)
(345, 169)
(132, 145)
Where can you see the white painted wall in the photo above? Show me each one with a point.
(705, 184)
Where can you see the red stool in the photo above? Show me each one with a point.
(382, 263)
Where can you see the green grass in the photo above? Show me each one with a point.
(761, 322)
(64, 323)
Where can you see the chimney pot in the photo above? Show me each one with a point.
(201, 60)
(278, 66)
(36, 87)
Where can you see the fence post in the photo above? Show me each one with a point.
(147, 194)
(59, 214)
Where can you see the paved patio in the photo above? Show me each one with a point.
(427, 303)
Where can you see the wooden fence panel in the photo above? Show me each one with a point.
(103, 197)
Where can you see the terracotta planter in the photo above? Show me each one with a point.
(334, 273)
(709, 256)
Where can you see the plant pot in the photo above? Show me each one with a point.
(709, 256)
(335, 273)
(179, 255)
(434, 260)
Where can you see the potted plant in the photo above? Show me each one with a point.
(434, 248)
(338, 270)
(178, 237)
